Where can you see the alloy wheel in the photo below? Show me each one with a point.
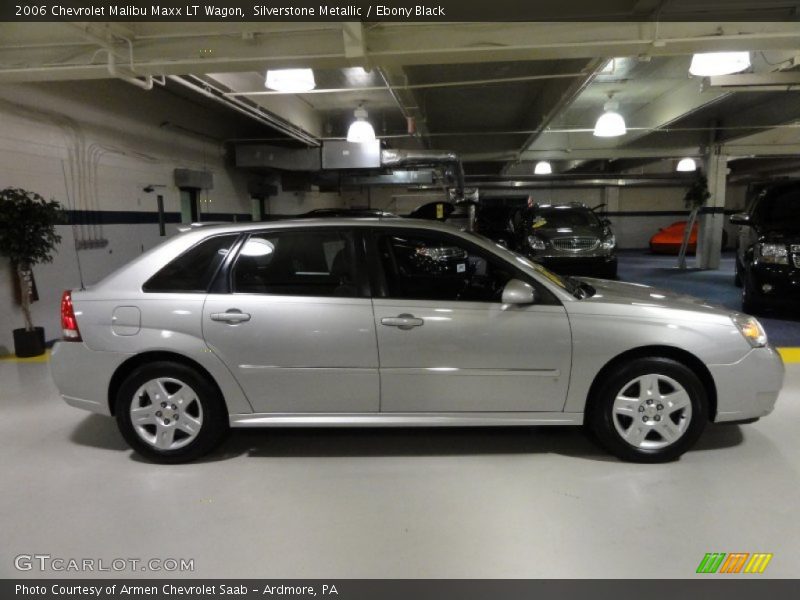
(652, 411)
(166, 413)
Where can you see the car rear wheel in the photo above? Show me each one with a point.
(649, 410)
(170, 413)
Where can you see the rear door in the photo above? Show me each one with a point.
(446, 341)
(295, 325)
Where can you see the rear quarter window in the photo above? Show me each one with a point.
(193, 270)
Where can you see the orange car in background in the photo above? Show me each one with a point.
(668, 240)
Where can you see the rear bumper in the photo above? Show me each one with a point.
(82, 376)
(749, 388)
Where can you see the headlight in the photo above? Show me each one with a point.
(535, 243)
(751, 329)
(773, 254)
(610, 242)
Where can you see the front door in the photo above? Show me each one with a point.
(297, 330)
(448, 344)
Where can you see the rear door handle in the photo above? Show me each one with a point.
(404, 322)
(232, 316)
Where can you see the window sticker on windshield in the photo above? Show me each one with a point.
(539, 222)
(461, 268)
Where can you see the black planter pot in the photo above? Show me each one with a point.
(29, 343)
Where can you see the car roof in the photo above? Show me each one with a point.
(395, 222)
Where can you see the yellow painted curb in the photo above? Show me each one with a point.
(790, 355)
(33, 359)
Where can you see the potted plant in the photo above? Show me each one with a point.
(28, 237)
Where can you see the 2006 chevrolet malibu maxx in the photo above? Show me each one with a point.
(395, 322)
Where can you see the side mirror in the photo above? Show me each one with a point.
(518, 292)
(742, 219)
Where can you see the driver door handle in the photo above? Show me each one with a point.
(404, 322)
(233, 316)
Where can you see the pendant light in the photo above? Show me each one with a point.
(293, 81)
(360, 130)
(610, 123)
(719, 63)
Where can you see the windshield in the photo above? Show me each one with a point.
(780, 212)
(564, 217)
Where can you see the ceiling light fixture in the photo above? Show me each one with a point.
(292, 81)
(610, 123)
(543, 168)
(711, 64)
(687, 165)
(360, 130)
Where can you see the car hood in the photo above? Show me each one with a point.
(634, 294)
(778, 236)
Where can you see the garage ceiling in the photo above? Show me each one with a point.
(502, 95)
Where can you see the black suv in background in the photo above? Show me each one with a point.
(569, 239)
(768, 258)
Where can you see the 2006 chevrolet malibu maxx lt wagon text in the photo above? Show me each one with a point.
(395, 322)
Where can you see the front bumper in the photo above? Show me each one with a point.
(782, 281)
(579, 265)
(749, 388)
(83, 376)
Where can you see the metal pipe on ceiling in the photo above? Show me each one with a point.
(416, 86)
(265, 118)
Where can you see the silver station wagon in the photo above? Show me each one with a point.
(396, 322)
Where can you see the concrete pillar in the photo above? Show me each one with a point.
(709, 237)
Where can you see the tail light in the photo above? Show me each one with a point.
(69, 324)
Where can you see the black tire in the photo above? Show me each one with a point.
(600, 417)
(208, 405)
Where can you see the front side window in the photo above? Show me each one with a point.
(193, 270)
(297, 263)
(431, 267)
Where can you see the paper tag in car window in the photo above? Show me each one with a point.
(539, 222)
(440, 211)
(461, 268)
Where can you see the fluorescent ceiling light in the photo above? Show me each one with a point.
(360, 130)
(687, 165)
(719, 63)
(543, 168)
(611, 123)
(292, 81)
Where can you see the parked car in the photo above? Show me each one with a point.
(668, 240)
(396, 322)
(496, 222)
(768, 258)
(568, 239)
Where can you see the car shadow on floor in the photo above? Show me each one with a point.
(101, 432)
(418, 442)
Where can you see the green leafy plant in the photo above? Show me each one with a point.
(697, 194)
(28, 237)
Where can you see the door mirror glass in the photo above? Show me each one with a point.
(740, 219)
(518, 292)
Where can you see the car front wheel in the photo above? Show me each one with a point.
(170, 413)
(649, 410)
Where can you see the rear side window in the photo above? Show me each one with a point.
(193, 270)
(297, 263)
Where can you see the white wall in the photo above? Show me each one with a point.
(108, 138)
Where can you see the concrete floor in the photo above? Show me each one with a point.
(515, 503)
